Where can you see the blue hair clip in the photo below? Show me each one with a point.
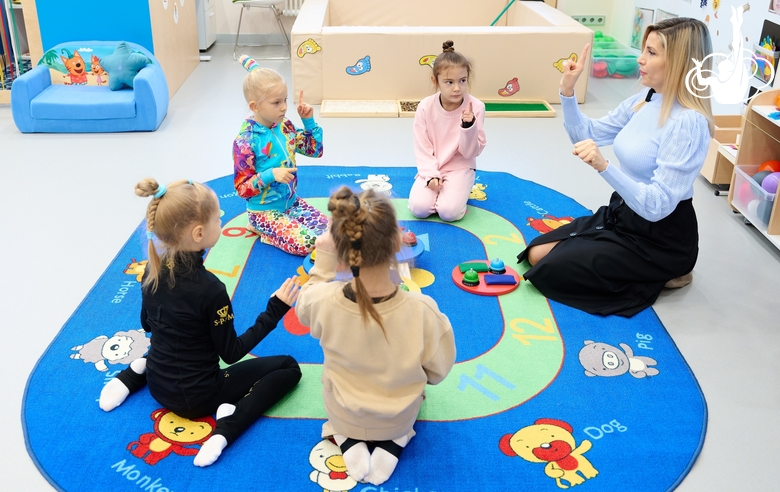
(160, 191)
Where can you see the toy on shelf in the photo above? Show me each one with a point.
(478, 277)
(612, 59)
(771, 166)
(769, 183)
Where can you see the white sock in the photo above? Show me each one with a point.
(139, 365)
(225, 410)
(383, 463)
(357, 458)
(210, 450)
(113, 394)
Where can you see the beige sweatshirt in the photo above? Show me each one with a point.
(373, 387)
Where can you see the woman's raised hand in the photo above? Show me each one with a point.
(572, 71)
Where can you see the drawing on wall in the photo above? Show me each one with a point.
(428, 60)
(308, 46)
(663, 15)
(642, 19)
(774, 6)
(362, 66)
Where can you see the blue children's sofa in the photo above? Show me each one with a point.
(83, 103)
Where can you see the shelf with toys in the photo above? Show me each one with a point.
(756, 174)
(14, 45)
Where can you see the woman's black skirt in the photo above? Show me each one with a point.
(615, 262)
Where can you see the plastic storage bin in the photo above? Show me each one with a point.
(750, 198)
(619, 62)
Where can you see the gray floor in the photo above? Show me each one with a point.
(68, 207)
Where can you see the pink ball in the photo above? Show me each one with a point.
(770, 182)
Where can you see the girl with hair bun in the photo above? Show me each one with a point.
(448, 137)
(189, 314)
(381, 344)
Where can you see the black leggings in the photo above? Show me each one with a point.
(253, 386)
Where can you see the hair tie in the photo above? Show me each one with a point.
(189, 181)
(160, 191)
(355, 271)
(357, 244)
(149, 235)
(248, 63)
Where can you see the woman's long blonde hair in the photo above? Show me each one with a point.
(683, 39)
(169, 216)
(365, 232)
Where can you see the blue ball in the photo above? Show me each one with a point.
(764, 211)
(759, 177)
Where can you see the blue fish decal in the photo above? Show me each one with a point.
(362, 66)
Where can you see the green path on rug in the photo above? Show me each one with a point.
(530, 342)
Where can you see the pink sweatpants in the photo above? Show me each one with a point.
(449, 202)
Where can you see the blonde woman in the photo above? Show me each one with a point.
(618, 260)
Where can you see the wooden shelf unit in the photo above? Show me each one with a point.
(760, 142)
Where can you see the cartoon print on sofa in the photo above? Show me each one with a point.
(172, 434)
(77, 69)
(378, 182)
(99, 72)
(602, 359)
(551, 441)
(362, 66)
(329, 472)
(308, 47)
(122, 348)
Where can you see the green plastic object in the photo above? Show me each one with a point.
(404, 287)
(476, 266)
(471, 278)
(515, 106)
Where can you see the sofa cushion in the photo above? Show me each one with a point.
(60, 102)
(122, 66)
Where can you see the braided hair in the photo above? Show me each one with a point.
(170, 213)
(365, 232)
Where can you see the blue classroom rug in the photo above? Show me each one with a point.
(542, 397)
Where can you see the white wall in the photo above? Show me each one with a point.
(720, 28)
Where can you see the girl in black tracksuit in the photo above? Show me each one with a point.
(189, 314)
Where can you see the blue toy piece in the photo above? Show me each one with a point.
(497, 266)
(499, 279)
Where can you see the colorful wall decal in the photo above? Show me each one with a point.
(307, 47)
(362, 66)
(511, 87)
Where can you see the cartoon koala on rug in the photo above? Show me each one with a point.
(550, 441)
(602, 359)
(329, 472)
(122, 348)
(378, 182)
(172, 434)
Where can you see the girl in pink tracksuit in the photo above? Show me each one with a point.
(448, 137)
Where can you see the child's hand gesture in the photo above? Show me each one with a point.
(284, 174)
(467, 116)
(289, 290)
(324, 242)
(572, 71)
(304, 110)
(434, 184)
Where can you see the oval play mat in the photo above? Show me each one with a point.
(542, 397)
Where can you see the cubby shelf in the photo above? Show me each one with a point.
(760, 143)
